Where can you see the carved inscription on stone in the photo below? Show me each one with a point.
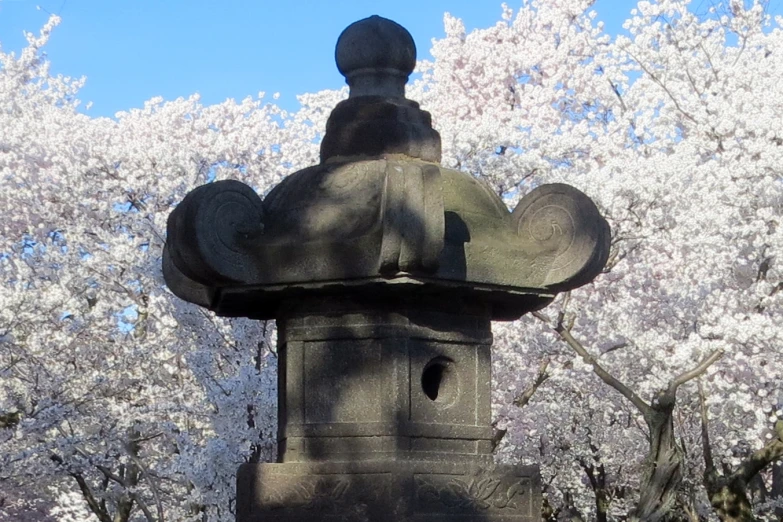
(483, 493)
(325, 494)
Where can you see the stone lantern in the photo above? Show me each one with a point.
(383, 271)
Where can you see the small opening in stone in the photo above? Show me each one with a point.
(438, 380)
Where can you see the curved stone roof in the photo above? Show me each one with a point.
(379, 215)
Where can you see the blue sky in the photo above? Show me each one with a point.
(133, 50)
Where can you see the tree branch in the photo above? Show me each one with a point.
(613, 348)
(95, 507)
(599, 370)
(662, 86)
(523, 398)
(111, 476)
(696, 372)
(761, 458)
(144, 508)
(709, 462)
(132, 448)
(135, 497)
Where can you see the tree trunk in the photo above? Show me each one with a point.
(729, 499)
(776, 491)
(663, 473)
(728, 494)
(597, 477)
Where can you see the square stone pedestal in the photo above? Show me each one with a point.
(388, 491)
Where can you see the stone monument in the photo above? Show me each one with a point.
(383, 271)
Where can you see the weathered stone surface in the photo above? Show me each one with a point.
(362, 379)
(401, 491)
(373, 126)
(384, 220)
(207, 233)
(376, 56)
(384, 415)
(379, 211)
(383, 271)
(563, 231)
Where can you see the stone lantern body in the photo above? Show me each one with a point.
(383, 271)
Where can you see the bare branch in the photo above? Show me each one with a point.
(709, 60)
(605, 376)
(134, 496)
(663, 86)
(523, 398)
(564, 307)
(497, 435)
(696, 372)
(541, 317)
(133, 454)
(709, 463)
(144, 508)
(614, 347)
(111, 476)
(95, 507)
(616, 90)
(761, 458)
(145, 439)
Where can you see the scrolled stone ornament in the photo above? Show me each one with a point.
(383, 271)
(181, 285)
(209, 233)
(563, 224)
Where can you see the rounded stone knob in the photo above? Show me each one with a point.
(376, 56)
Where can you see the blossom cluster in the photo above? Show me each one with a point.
(117, 397)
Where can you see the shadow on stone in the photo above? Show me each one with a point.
(384, 272)
(385, 416)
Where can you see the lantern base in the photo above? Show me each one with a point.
(393, 491)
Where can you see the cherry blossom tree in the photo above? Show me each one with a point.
(111, 388)
(654, 393)
(657, 127)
